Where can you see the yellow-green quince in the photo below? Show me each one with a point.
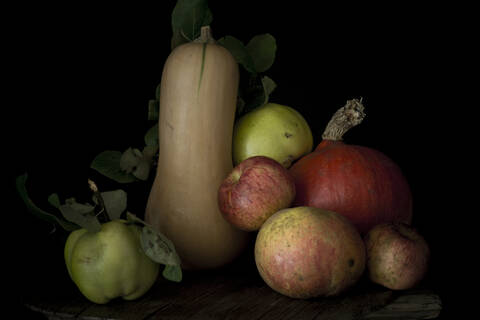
(272, 130)
(110, 263)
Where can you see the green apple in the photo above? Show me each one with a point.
(110, 263)
(274, 131)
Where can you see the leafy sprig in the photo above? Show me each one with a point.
(109, 205)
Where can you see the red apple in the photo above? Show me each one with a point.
(306, 252)
(397, 255)
(255, 189)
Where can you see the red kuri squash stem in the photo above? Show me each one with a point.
(344, 119)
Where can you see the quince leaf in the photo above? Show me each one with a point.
(44, 215)
(159, 248)
(153, 109)
(142, 170)
(54, 200)
(130, 159)
(172, 273)
(108, 164)
(151, 137)
(80, 214)
(115, 203)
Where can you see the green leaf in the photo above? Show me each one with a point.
(151, 137)
(172, 273)
(131, 218)
(157, 92)
(238, 51)
(159, 248)
(262, 50)
(240, 105)
(108, 164)
(130, 159)
(149, 152)
(49, 217)
(54, 200)
(254, 95)
(153, 109)
(188, 17)
(268, 86)
(80, 214)
(115, 203)
(138, 163)
(142, 170)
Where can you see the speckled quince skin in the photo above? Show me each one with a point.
(110, 263)
(272, 130)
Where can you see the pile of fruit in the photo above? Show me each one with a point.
(321, 222)
(321, 218)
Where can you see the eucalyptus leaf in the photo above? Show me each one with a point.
(108, 164)
(115, 203)
(80, 214)
(238, 51)
(188, 17)
(44, 215)
(262, 49)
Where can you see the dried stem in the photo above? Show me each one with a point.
(344, 119)
(102, 214)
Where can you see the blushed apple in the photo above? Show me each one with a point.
(306, 252)
(397, 255)
(255, 189)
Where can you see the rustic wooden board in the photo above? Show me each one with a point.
(238, 292)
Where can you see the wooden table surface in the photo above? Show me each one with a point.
(236, 292)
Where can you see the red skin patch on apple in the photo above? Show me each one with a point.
(257, 188)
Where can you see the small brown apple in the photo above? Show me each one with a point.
(255, 189)
(397, 255)
(306, 252)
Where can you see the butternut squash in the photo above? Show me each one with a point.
(198, 95)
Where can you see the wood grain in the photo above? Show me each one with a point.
(238, 292)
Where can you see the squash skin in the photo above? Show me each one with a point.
(198, 95)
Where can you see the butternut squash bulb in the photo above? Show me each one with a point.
(198, 95)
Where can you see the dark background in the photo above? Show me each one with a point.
(82, 77)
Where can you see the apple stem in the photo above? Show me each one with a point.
(344, 119)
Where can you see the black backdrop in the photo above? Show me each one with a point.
(83, 76)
